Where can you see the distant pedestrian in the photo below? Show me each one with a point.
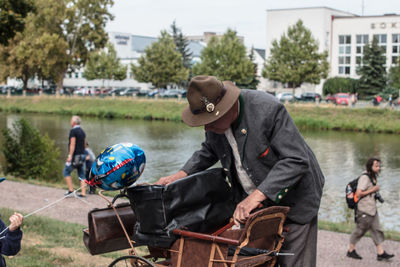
(10, 239)
(390, 101)
(367, 218)
(76, 156)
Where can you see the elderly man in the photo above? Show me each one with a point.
(76, 156)
(264, 156)
(10, 238)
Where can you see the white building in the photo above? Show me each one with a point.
(340, 33)
(129, 49)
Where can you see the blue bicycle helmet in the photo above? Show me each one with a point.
(117, 167)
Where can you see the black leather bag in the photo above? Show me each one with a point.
(201, 202)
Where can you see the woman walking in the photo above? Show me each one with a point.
(367, 218)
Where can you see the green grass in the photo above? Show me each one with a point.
(306, 116)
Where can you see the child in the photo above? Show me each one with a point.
(10, 239)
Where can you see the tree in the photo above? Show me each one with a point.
(182, 45)
(339, 84)
(16, 60)
(295, 60)
(29, 154)
(394, 76)
(226, 59)
(161, 64)
(31, 53)
(78, 23)
(372, 71)
(105, 65)
(12, 14)
(253, 80)
(71, 28)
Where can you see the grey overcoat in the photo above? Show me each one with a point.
(274, 154)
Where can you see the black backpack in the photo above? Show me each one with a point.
(351, 196)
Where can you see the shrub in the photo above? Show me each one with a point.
(339, 84)
(29, 154)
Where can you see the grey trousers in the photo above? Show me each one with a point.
(367, 222)
(302, 241)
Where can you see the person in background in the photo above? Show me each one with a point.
(76, 156)
(367, 218)
(10, 239)
(90, 157)
(263, 155)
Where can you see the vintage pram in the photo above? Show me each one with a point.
(184, 226)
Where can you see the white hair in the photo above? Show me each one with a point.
(76, 119)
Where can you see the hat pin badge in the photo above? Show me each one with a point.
(209, 106)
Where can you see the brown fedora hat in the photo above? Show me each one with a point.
(209, 99)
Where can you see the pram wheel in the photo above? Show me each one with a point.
(131, 261)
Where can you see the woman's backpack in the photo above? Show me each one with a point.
(351, 196)
(351, 188)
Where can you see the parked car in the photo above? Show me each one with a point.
(152, 93)
(284, 97)
(330, 98)
(310, 97)
(342, 99)
(171, 93)
(81, 91)
(130, 91)
(116, 91)
(142, 92)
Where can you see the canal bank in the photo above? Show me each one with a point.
(306, 116)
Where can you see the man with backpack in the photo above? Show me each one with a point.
(367, 218)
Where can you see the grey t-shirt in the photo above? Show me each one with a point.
(367, 203)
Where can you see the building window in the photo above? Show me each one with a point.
(381, 38)
(70, 75)
(76, 75)
(395, 48)
(344, 54)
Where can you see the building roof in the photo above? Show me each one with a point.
(261, 52)
(195, 48)
(139, 43)
(319, 7)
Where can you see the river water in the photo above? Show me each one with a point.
(167, 145)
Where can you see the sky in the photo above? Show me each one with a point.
(248, 18)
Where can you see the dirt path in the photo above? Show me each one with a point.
(27, 198)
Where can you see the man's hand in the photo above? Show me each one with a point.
(16, 221)
(244, 208)
(171, 178)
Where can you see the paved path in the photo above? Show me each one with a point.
(27, 198)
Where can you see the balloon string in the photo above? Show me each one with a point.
(48, 206)
(53, 203)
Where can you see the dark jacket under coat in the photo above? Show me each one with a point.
(274, 154)
(10, 244)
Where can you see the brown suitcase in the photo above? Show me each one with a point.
(105, 233)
